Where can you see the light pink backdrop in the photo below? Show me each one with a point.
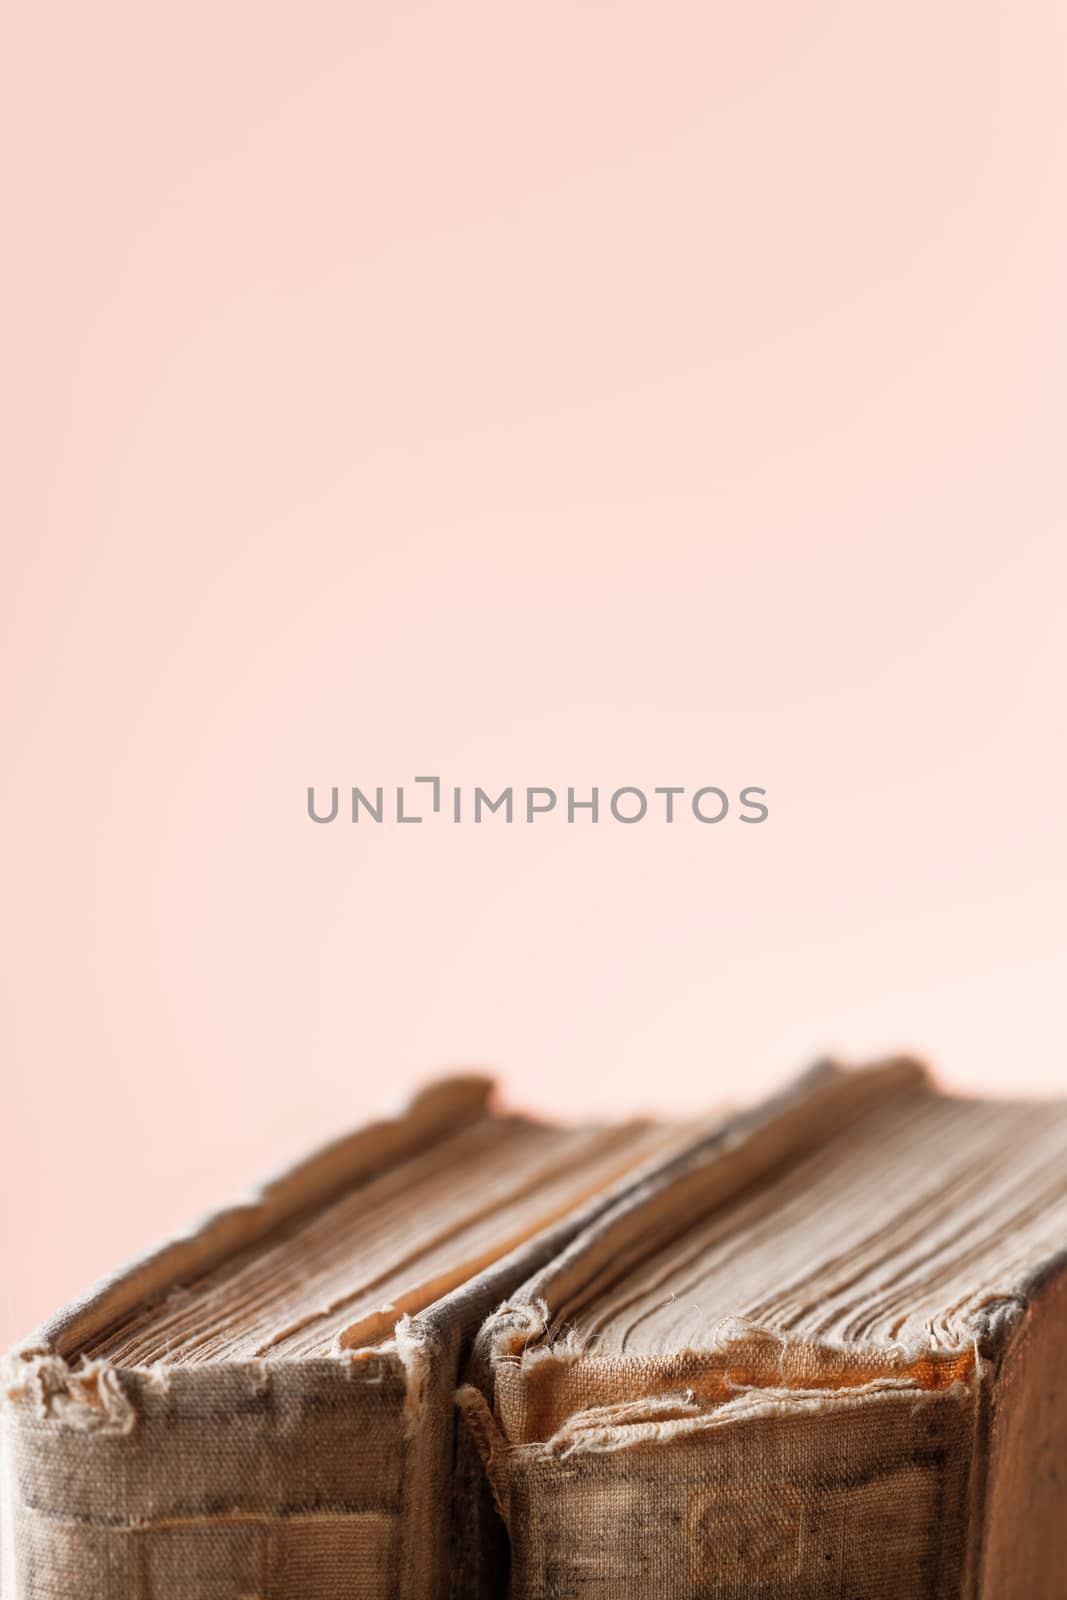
(569, 394)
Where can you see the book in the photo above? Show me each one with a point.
(263, 1408)
(822, 1356)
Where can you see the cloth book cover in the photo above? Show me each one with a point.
(820, 1357)
(263, 1409)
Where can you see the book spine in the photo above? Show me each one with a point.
(281, 1481)
(863, 1494)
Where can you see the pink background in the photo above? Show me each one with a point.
(616, 394)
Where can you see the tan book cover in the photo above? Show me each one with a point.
(820, 1359)
(263, 1409)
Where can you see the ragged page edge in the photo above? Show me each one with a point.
(432, 1113)
(742, 1150)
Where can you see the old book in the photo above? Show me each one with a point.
(263, 1409)
(823, 1357)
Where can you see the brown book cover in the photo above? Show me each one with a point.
(263, 1409)
(818, 1358)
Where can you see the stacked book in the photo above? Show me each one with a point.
(811, 1350)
